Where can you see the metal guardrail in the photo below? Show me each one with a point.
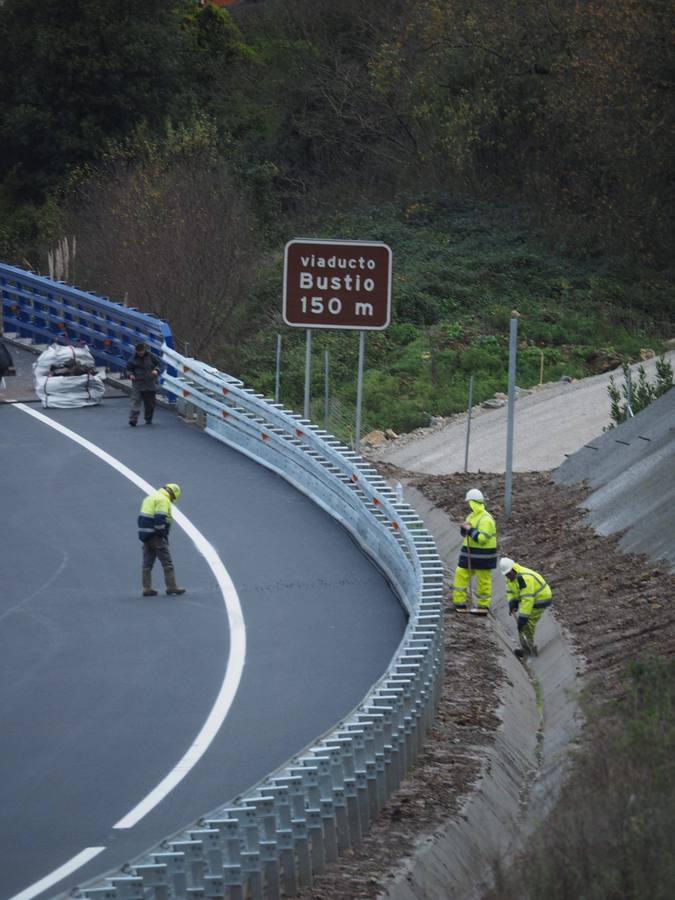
(277, 837)
(43, 311)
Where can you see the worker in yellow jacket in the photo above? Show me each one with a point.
(478, 556)
(529, 597)
(154, 524)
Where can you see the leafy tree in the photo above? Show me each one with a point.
(322, 121)
(75, 74)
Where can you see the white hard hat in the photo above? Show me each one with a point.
(174, 490)
(474, 494)
(505, 565)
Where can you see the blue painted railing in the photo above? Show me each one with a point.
(43, 311)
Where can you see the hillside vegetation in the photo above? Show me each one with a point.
(514, 155)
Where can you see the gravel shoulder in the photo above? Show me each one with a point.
(551, 422)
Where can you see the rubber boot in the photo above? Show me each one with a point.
(526, 644)
(171, 586)
(147, 584)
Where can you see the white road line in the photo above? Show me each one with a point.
(237, 657)
(62, 872)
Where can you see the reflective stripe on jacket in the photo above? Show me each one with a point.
(526, 592)
(155, 517)
(479, 550)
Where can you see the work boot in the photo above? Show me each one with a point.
(479, 611)
(147, 584)
(460, 607)
(171, 586)
(526, 645)
(519, 652)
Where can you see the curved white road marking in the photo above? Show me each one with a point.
(237, 657)
(62, 872)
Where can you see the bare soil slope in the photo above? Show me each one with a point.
(613, 606)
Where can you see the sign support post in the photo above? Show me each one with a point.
(308, 372)
(277, 374)
(359, 391)
(326, 390)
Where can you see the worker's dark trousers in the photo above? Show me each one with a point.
(157, 548)
(147, 398)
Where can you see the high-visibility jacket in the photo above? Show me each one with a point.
(155, 516)
(527, 592)
(479, 549)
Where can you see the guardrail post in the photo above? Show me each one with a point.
(301, 841)
(286, 849)
(282, 807)
(155, 877)
(175, 869)
(230, 839)
(104, 893)
(340, 802)
(250, 865)
(234, 885)
(264, 807)
(296, 794)
(269, 860)
(371, 785)
(310, 782)
(214, 887)
(316, 840)
(246, 816)
(128, 887)
(194, 859)
(329, 819)
(323, 770)
(211, 846)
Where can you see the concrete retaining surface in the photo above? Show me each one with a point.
(521, 772)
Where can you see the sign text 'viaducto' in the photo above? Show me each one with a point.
(337, 284)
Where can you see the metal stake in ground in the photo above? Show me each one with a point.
(468, 426)
(513, 349)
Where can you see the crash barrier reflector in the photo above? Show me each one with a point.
(277, 837)
(43, 312)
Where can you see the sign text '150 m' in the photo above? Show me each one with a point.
(337, 284)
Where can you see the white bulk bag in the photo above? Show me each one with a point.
(64, 391)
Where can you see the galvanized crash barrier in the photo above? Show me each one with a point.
(275, 839)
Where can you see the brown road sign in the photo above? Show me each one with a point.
(337, 284)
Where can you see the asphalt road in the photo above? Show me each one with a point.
(102, 691)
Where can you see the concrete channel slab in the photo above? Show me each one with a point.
(631, 471)
(522, 771)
